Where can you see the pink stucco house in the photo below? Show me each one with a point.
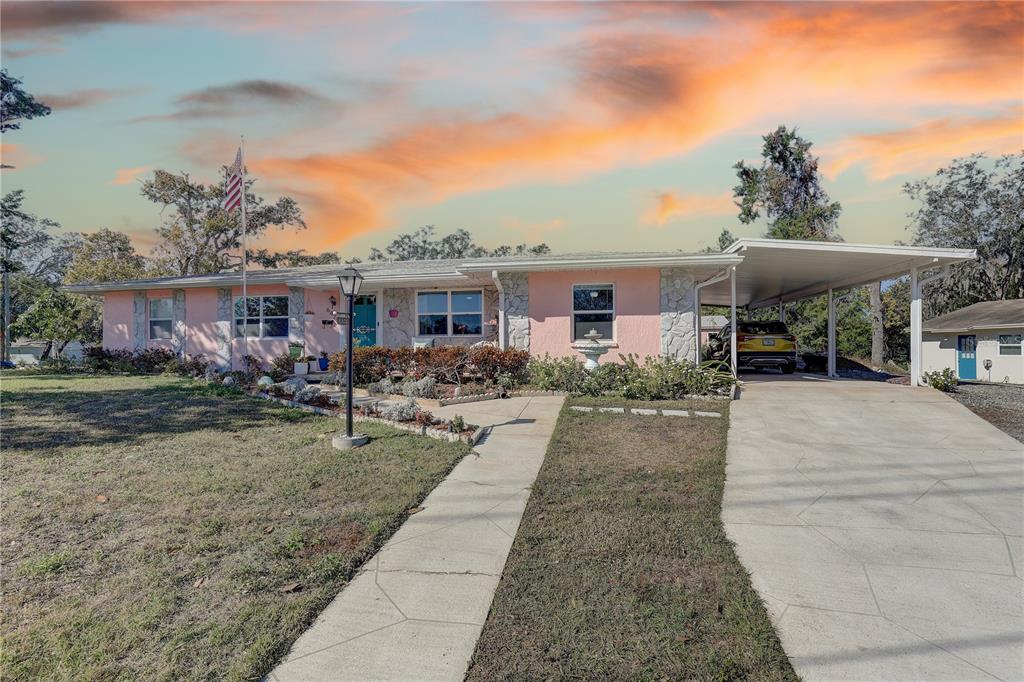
(643, 303)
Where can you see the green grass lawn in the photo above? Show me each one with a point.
(155, 529)
(621, 568)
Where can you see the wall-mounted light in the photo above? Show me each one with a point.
(334, 303)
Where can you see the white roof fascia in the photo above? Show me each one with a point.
(586, 263)
(844, 247)
(972, 328)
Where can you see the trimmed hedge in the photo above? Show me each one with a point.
(447, 364)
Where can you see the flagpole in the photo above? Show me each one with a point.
(245, 290)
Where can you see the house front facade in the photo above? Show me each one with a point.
(642, 304)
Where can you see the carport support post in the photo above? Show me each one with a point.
(782, 311)
(831, 334)
(915, 327)
(732, 322)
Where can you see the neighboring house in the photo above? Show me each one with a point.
(643, 303)
(711, 324)
(966, 340)
(29, 351)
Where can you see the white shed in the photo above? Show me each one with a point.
(981, 341)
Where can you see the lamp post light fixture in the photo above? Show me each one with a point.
(350, 281)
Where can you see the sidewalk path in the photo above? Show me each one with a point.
(415, 610)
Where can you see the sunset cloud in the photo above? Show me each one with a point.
(16, 156)
(127, 176)
(924, 147)
(77, 99)
(249, 97)
(671, 206)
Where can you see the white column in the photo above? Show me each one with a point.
(732, 322)
(831, 334)
(782, 311)
(502, 342)
(696, 322)
(915, 327)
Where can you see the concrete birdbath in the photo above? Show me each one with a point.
(591, 349)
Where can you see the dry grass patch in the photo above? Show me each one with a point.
(621, 568)
(154, 529)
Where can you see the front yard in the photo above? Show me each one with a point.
(156, 529)
(621, 568)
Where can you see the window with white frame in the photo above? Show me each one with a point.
(161, 314)
(1010, 344)
(593, 307)
(262, 317)
(450, 313)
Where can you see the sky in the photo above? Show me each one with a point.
(588, 126)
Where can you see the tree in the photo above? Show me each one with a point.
(970, 204)
(105, 256)
(787, 189)
(58, 318)
(16, 105)
(725, 239)
(292, 259)
(422, 245)
(198, 236)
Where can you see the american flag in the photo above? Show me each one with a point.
(233, 191)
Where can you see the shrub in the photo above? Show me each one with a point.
(421, 388)
(660, 378)
(194, 366)
(369, 363)
(281, 366)
(307, 394)
(400, 412)
(146, 361)
(557, 374)
(943, 380)
(458, 424)
(491, 362)
(383, 387)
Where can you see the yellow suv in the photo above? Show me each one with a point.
(758, 344)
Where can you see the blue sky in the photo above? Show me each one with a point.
(607, 126)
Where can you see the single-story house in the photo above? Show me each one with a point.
(643, 303)
(981, 341)
(711, 324)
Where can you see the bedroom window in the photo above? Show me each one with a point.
(450, 313)
(593, 307)
(161, 313)
(262, 317)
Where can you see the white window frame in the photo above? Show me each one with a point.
(1019, 345)
(151, 319)
(572, 315)
(449, 313)
(261, 317)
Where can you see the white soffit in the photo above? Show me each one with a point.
(774, 270)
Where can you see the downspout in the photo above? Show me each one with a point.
(696, 306)
(501, 309)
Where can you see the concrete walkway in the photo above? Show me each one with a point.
(884, 528)
(416, 609)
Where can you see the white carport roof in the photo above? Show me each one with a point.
(777, 270)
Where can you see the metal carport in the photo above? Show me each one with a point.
(774, 272)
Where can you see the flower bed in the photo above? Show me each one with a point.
(660, 378)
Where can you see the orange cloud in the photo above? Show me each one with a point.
(126, 176)
(923, 147)
(17, 156)
(640, 92)
(671, 205)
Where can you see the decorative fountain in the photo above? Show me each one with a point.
(591, 349)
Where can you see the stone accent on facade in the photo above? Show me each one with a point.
(398, 331)
(296, 315)
(139, 335)
(178, 323)
(490, 313)
(517, 308)
(223, 330)
(678, 333)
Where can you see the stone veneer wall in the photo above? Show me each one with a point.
(178, 323)
(296, 315)
(517, 308)
(224, 329)
(398, 331)
(139, 321)
(678, 335)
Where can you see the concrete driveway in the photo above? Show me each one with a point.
(884, 528)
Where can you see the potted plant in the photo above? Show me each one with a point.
(302, 365)
(323, 361)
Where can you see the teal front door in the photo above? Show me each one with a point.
(966, 357)
(364, 333)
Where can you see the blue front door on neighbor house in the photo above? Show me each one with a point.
(966, 357)
(364, 333)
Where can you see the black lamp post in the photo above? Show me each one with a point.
(350, 281)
